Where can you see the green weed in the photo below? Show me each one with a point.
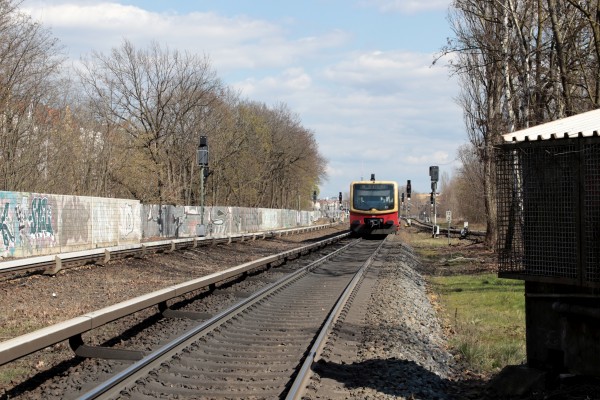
(487, 315)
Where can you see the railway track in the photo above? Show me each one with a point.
(253, 349)
(53, 263)
(427, 227)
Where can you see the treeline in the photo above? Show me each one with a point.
(128, 123)
(520, 63)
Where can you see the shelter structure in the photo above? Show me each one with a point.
(548, 192)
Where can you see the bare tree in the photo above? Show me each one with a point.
(521, 62)
(269, 160)
(30, 61)
(468, 185)
(481, 48)
(155, 97)
(588, 52)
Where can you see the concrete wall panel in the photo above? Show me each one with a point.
(76, 220)
(270, 219)
(29, 224)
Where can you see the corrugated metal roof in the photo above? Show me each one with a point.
(581, 125)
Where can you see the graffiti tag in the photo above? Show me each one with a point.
(7, 236)
(40, 219)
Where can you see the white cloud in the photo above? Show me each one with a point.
(290, 80)
(407, 6)
(123, 19)
(373, 110)
(385, 112)
(384, 72)
(388, 113)
(437, 157)
(233, 43)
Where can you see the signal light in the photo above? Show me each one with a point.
(202, 152)
(434, 173)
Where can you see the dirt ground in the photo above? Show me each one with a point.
(443, 256)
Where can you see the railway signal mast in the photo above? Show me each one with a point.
(202, 160)
(402, 204)
(408, 190)
(434, 172)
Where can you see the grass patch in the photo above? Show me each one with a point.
(10, 374)
(487, 316)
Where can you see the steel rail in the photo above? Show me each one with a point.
(111, 386)
(298, 387)
(23, 345)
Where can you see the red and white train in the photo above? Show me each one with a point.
(374, 207)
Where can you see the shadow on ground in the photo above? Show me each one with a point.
(407, 379)
(398, 378)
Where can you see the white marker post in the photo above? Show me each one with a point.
(449, 219)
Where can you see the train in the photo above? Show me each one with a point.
(374, 207)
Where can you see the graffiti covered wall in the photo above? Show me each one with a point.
(182, 221)
(27, 224)
(169, 221)
(33, 224)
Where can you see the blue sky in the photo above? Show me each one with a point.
(357, 72)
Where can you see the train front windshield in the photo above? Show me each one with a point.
(367, 197)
